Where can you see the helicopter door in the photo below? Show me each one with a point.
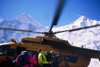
(4, 50)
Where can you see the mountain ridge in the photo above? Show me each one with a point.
(29, 19)
(20, 24)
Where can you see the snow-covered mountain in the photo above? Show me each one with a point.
(88, 38)
(22, 22)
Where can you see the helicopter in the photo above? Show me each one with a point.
(71, 56)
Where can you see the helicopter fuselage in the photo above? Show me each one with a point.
(70, 55)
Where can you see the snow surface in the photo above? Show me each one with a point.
(88, 38)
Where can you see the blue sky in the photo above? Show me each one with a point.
(44, 10)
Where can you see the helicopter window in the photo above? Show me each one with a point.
(50, 42)
(4, 49)
(20, 49)
(55, 44)
(11, 52)
(44, 41)
(72, 59)
(1, 53)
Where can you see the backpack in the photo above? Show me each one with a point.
(49, 56)
(23, 58)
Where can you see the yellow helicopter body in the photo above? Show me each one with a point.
(71, 56)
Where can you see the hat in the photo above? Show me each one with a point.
(39, 50)
(24, 53)
(51, 52)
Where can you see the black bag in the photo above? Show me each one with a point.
(49, 56)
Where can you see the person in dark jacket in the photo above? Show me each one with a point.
(9, 62)
(54, 59)
(6, 62)
(57, 60)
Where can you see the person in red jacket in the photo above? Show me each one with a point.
(35, 61)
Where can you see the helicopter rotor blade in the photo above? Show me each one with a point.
(84, 28)
(21, 30)
(58, 12)
(77, 29)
